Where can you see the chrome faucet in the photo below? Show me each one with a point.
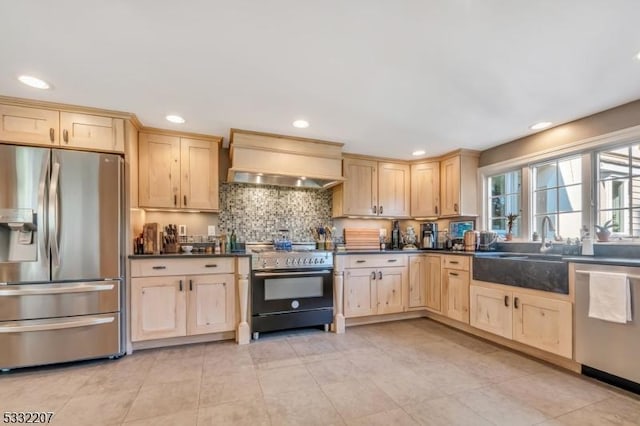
(546, 245)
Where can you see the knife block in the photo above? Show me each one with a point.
(171, 248)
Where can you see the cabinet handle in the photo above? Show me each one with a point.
(455, 274)
(185, 200)
(506, 301)
(158, 267)
(175, 200)
(190, 285)
(52, 134)
(455, 207)
(379, 275)
(380, 209)
(453, 262)
(373, 275)
(392, 260)
(360, 261)
(180, 285)
(436, 209)
(515, 302)
(375, 210)
(211, 265)
(65, 135)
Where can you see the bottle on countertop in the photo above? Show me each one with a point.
(395, 236)
(227, 245)
(233, 241)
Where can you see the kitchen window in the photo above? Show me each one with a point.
(557, 193)
(618, 193)
(504, 199)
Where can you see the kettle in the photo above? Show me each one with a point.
(471, 240)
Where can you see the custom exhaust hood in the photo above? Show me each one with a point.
(269, 159)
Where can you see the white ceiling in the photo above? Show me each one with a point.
(384, 77)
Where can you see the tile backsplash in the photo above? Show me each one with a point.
(257, 212)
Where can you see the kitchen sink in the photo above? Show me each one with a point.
(538, 271)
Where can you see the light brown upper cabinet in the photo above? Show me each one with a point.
(458, 184)
(39, 126)
(425, 189)
(178, 172)
(373, 188)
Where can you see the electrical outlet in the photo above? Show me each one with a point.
(211, 230)
(182, 230)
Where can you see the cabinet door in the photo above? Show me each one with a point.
(158, 308)
(159, 171)
(360, 189)
(92, 132)
(29, 125)
(394, 189)
(199, 174)
(457, 294)
(544, 323)
(491, 311)
(450, 186)
(360, 293)
(390, 284)
(433, 283)
(425, 189)
(417, 281)
(211, 303)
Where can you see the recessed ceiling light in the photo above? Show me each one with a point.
(637, 56)
(33, 82)
(541, 125)
(175, 119)
(418, 153)
(301, 124)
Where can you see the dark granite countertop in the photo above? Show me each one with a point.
(613, 261)
(185, 255)
(462, 253)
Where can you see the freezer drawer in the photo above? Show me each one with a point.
(38, 342)
(35, 301)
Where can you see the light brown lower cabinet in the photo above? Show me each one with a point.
(541, 321)
(456, 294)
(372, 291)
(425, 282)
(186, 305)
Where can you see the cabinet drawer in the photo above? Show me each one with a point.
(160, 267)
(376, 260)
(455, 262)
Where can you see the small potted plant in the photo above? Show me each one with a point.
(511, 218)
(603, 232)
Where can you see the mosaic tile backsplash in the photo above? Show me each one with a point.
(257, 212)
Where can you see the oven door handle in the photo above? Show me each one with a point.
(280, 274)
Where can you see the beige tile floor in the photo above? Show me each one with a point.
(400, 373)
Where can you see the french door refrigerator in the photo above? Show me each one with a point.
(61, 264)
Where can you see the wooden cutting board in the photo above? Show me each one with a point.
(362, 238)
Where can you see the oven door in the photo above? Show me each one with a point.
(291, 290)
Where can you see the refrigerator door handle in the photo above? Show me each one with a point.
(55, 325)
(33, 290)
(42, 225)
(53, 214)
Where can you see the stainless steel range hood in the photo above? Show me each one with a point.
(268, 159)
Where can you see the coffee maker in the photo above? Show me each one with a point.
(429, 235)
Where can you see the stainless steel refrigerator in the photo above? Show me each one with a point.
(61, 256)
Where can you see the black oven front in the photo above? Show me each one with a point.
(291, 298)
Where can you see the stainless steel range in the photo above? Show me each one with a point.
(291, 289)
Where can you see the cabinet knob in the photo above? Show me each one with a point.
(373, 275)
(52, 134)
(375, 210)
(379, 275)
(455, 207)
(65, 135)
(175, 200)
(506, 301)
(190, 285)
(180, 285)
(515, 302)
(185, 200)
(436, 209)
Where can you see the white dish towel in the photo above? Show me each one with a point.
(609, 297)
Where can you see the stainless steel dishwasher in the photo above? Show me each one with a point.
(604, 346)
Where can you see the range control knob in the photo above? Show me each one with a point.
(322, 260)
(305, 261)
(315, 261)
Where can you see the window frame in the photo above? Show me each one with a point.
(489, 197)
